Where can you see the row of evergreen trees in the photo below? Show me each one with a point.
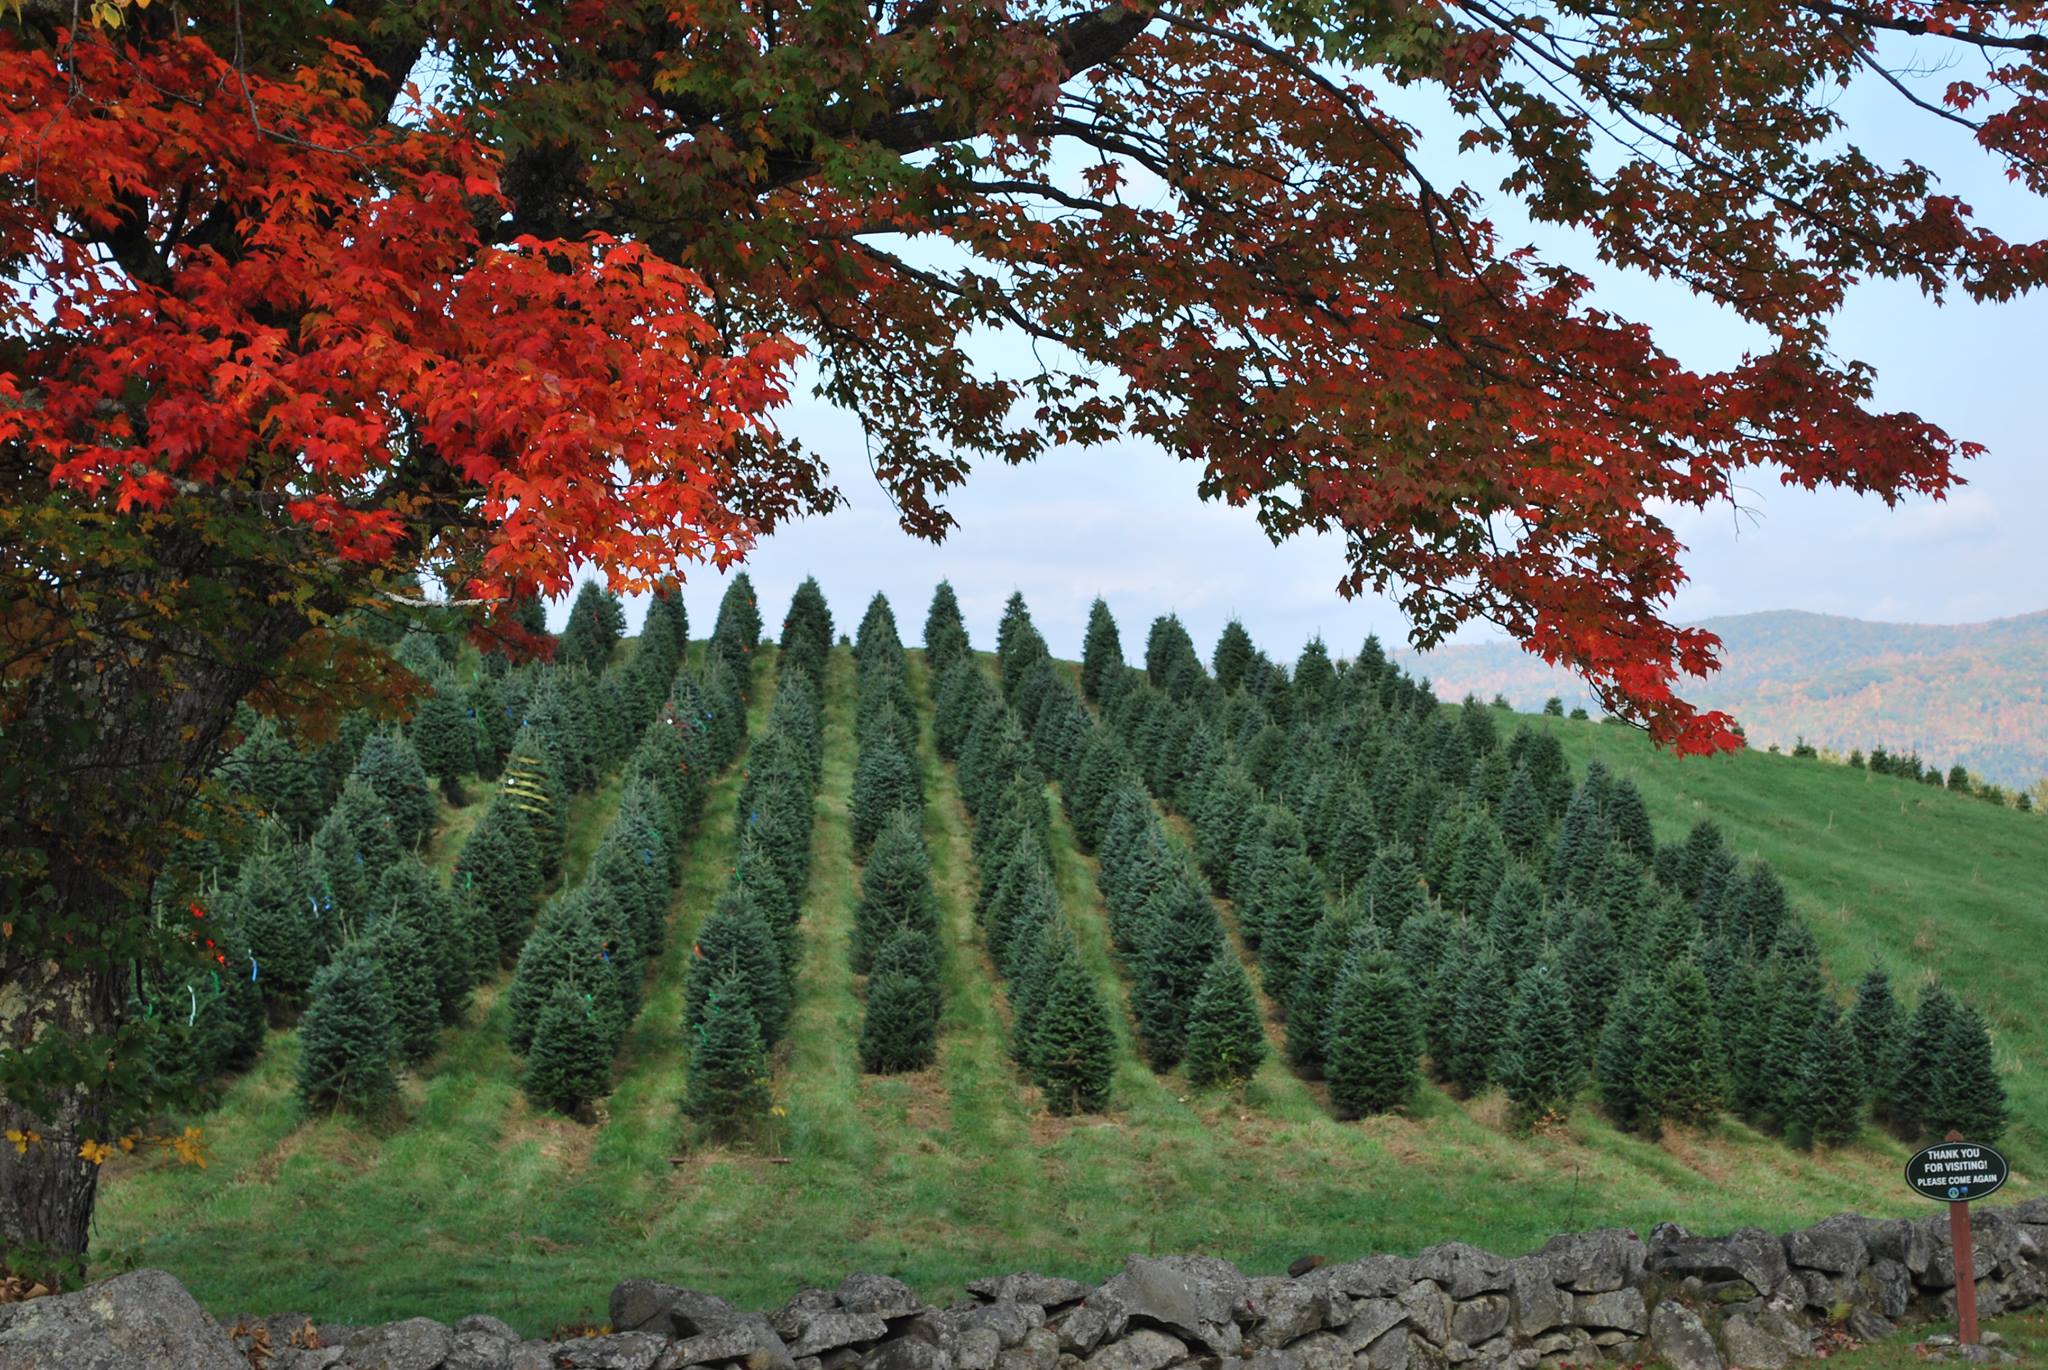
(1369, 836)
(742, 975)
(895, 940)
(1062, 1034)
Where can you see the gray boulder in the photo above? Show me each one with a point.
(750, 1341)
(1047, 1291)
(907, 1353)
(414, 1344)
(486, 1325)
(1478, 1320)
(1462, 1270)
(1388, 1351)
(1371, 1319)
(1374, 1277)
(1266, 1358)
(1537, 1303)
(1890, 1286)
(1682, 1339)
(478, 1349)
(836, 1327)
(1286, 1310)
(651, 1306)
(1082, 1330)
(1190, 1296)
(878, 1296)
(1144, 1349)
(1619, 1310)
(1321, 1351)
(619, 1351)
(1864, 1325)
(1429, 1311)
(315, 1358)
(141, 1318)
(1837, 1246)
(1747, 1254)
(1595, 1262)
(1040, 1350)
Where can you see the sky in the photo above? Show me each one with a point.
(1124, 521)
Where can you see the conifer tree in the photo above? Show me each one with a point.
(1542, 1061)
(895, 889)
(1591, 961)
(1703, 846)
(1102, 655)
(1232, 657)
(1479, 1020)
(1514, 917)
(1523, 822)
(1180, 940)
(1329, 950)
(415, 1007)
(275, 904)
(347, 1039)
(898, 1031)
(411, 894)
(1393, 891)
(726, 1087)
(1351, 840)
(497, 871)
(1226, 1038)
(594, 628)
(1371, 1039)
(444, 733)
(351, 848)
(565, 947)
(1314, 676)
(1800, 997)
(391, 768)
(569, 1063)
(945, 634)
(913, 953)
(1968, 1096)
(1291, 905)
(1630, 818)
(1827, 1100)
(1680, 1075)
(883, 782)
(1879, 1028)
(1618, 1060)
(1073, 1047)
(283, 780)
(1479, 867)
(737, 954)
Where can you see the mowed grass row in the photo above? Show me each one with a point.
(1918, 879)
(938, 1177)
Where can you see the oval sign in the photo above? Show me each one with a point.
(1956, 1172)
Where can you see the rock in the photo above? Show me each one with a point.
(1040, 1350)
(1082, 1330)
(907, 1353)
(1619, 1310)
(1388, 1351)
(1912, 1242)
(618, 1351)
(824, 1331)
(1748, 1254)
(750, 1341)
(1190, 1296)
(1837, 1246)
(1682, 1340)
(1266, 1358)
(486, 1325)
(1890, 1286)
(1322, 1351)
(1429, 1311)
(1462, 1270)
(1370, 1320)
(1287, 1310)
(1480, 1319)
(1144, 1349)
(415, 1344)
(315, 1358)
(974, 1347)
(878, 1296)
(651, 1306)
(1372, 1277)
(1596, 1262)
(1537, 1303)
(1751, 1348)
(1865, 1325)
(144, 1317)
(479, 1350)
(1047, 1291)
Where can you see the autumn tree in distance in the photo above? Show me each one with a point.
(282, 337)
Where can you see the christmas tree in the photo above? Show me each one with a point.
(727, 1082)
(347, 1038)
(1542, 1062)
(569, 1062)
(1372, 1038)
(1226, 1040)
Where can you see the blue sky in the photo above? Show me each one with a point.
(1124, 521)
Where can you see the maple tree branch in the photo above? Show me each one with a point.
(1920, 28)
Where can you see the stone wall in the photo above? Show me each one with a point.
(1748, 1299)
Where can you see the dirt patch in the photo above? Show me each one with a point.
(1691, 1149)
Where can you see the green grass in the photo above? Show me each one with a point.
(474, 1202)
(2026, 1336)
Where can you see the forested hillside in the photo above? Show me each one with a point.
(1974, 694)
(744, 965)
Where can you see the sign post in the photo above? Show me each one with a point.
(1959, 1172)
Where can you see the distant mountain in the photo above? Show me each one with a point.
(1975, 693)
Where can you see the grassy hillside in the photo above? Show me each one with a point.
(474, 1201)
(1973, 693)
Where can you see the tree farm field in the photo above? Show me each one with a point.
(472, 1198)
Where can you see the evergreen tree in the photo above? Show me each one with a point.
(1179, 942)
(565, 947)
(1481, 863)
(945, 634)
(1514, 917)
(883, 782)
(283, 780)
(594, 627)
(1226, 1039)
(1680, 1074)
(1393, 891)
(391, 768)
(1630, 818)
(1073, 1046)
(1291, 905)
(1801, 997)
(727, 1081)
(569, 1063)
(274, 902)
(1523, 823)
(444, 733)
(1879, 1028)
(1372, 1038)
(1479, 1020)
(1315, 977)
(1968, 1096)
(895, 889)
(899, 1031)
(1591, 961)
(347, 1039)
(1314, 676)
(415, 1007)
(1102, 655)
(1233, 655)
(1542, 1062)
(411, 894)
(1618, 1061)
(351, 848)
(498, 873)
(737, 953)
(1827, 1100)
